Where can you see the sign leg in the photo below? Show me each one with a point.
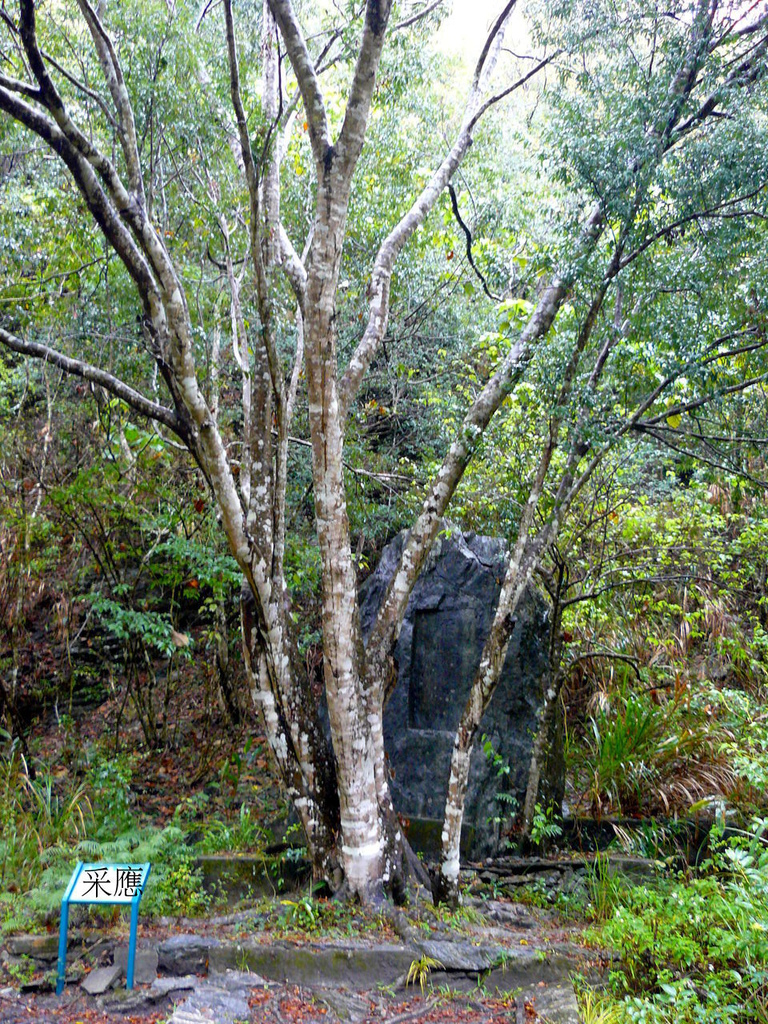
(132, 944)
(62, 967)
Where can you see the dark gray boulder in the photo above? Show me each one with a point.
(446, 623)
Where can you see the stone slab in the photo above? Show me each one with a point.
(348, 1007)
(524, 967)
(514, 915)
(103, 978)
(145, 966)
(460, 956)
(221, 1000)
(185, 954)
(41, 947)
(357, 967)
(555, 1004)
(125, 1001)
(235, 877)
(161, 987)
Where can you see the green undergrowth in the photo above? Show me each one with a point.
(50, 822)
(307, 914)
(645, 753)
(691, 948)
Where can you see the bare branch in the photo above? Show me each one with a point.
(711, 213)
(677, 410)
(391, 247)
(613, 655)
(748, 71)
(78, 368)
(83, 171)
(492, 100)
(468, 437)
(23, 88)
(496, 28)
(417, 17)
(82, 88)
(113, 75)
(468, 240)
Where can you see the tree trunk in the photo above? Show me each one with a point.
(550, 727)
(295, 735)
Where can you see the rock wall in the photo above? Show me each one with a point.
(447, 620)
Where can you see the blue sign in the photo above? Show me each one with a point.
(103, 883)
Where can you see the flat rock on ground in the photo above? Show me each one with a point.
(513, 967)
(103, 978)
(222, 999)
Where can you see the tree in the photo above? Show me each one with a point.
(688, 74)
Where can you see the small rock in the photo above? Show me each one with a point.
(125, 1001)
(162, 987)
(103, 978)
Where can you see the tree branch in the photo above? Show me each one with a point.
(352, 134)
(22, 88)
(392, 246)
(84, 173)
(304, 69)
(140, 403)
(417, 17)
(113, 75)
(468, 437)
(468, 240)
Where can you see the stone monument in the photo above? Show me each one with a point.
(447, 620)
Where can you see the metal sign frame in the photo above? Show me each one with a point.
(133, 902)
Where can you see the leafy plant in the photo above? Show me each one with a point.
(638, 753)
(457, 917)
(420, 970)
(596, 1008)
(605, 888)
(21, 970)
(301, 914)
(39, 817)
(179, 891)
(244, 834)
(109, 779)
(544, 827)
(507, 802)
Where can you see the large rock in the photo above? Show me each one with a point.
(238, 876)
(446, 623)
